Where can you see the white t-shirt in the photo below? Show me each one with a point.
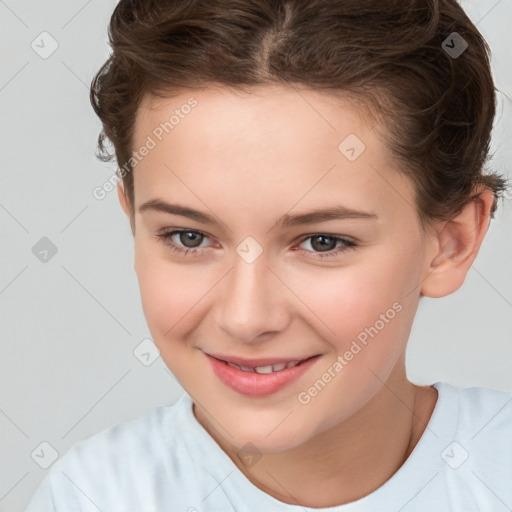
(166, 461)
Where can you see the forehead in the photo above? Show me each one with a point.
(265, 110)
(294, 143)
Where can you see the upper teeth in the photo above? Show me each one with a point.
(265, 369)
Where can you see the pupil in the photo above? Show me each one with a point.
(323, 246)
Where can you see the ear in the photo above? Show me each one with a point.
(123, 198)
(125, 204)
(458, 242)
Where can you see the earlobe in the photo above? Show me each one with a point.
(458, 243)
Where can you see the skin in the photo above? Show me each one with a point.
(248, 159)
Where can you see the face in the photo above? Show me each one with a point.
(252, 276)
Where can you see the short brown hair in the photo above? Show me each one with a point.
(438, 109)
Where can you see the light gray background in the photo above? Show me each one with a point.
(69, 326)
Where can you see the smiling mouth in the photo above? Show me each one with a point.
(259, 377)
(265, 369)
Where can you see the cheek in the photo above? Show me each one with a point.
(170, 293)
(362, 310)
(363, 313)
(345, 300)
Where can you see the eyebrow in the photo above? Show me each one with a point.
(311, 217)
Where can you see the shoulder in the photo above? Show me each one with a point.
(116, 465)
(480, 429)
(484, 411)
(130, 445)
(473, 411)
(130, 437)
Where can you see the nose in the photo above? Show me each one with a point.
(252, 304)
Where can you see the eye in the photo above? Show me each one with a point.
(187, 242)
(327, 245)
(191, 240)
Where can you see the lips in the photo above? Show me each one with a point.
(259, 383)
(260, 362)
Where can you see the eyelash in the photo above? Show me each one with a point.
(166, 239)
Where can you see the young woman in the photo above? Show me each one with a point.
(297, 175)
